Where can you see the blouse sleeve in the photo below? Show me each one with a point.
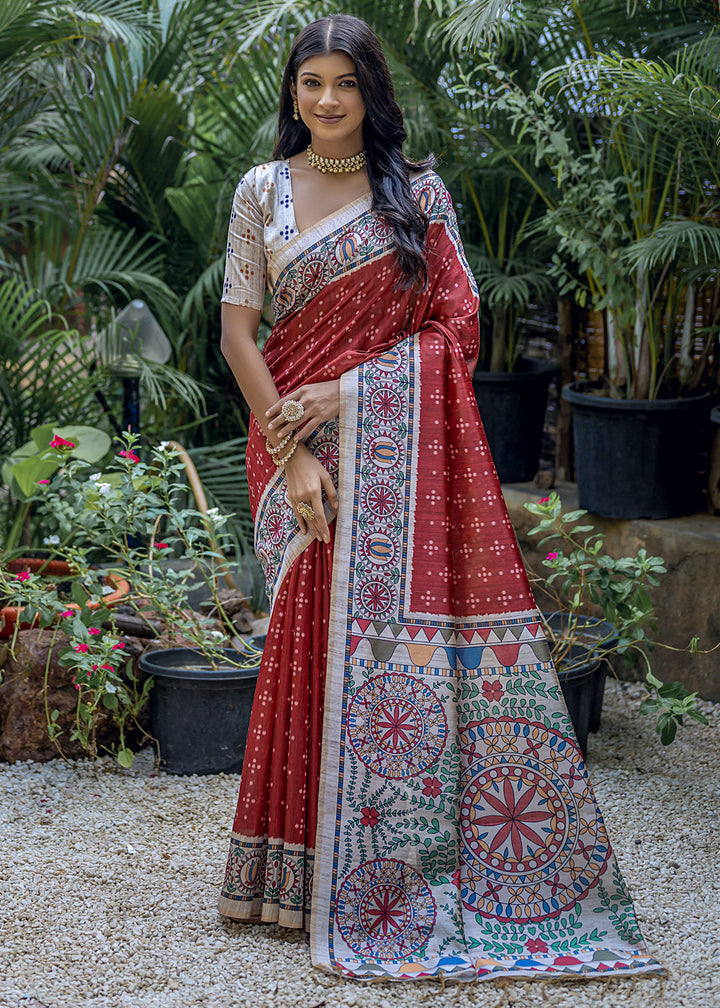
(245, 264)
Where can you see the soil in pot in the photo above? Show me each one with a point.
(200, 715)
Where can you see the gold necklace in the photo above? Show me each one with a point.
(336, 165)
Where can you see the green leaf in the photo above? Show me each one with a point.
(90, 443)
(110, 701)
(125, 758)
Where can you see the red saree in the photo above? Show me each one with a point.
(411, 783)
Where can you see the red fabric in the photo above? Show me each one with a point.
(279, 786)
(349, 322)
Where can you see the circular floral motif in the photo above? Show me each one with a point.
(375, 599)
(385, 403)
(385, 910)
(312, 273)
(275, 525)
(533, 838)
(328, 453)
(396, 726)
(382, 500)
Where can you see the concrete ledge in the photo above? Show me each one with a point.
(687, 602)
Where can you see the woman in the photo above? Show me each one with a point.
(412, 792)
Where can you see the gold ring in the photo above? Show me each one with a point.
(305, 511)
(292, 410)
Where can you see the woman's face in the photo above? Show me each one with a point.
(330, 103)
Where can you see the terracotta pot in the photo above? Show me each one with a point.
(9, 615)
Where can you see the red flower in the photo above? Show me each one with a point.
(492, 690)
(543, 500)
(552, 556)
(370, 817)
(94, 630)
(432, 787)
(80, 648)
(130, 456)
(536, 945)
(161, 546)
(61, 443)
(68, 613)
(108, 668)
(117, 646)
(23, 576)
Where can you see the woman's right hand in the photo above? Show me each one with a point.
(306, 479)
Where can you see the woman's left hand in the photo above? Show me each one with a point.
(320, 401)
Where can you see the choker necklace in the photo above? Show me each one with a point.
(336, 165)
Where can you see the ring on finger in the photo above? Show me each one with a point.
(292, 410)
(306, 511)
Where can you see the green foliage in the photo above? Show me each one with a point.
(124, 508)
(581, 576)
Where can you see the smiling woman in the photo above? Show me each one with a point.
(412, 791)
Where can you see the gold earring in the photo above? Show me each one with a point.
(296, 110)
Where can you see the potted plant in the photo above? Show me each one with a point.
(635, 233)
(128, 506)
(584, 580)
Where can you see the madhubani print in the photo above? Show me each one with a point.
(364, 238)
(333, 255)
(458, 834)
(278, 540)
(274, 873)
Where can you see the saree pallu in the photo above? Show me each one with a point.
(412, 783)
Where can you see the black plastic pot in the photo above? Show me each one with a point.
(583, 686)
(512, 408)
(199, 715)
(636, 458)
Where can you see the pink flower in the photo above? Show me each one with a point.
(161, 545)
(94, 668)
(117, 646)
(62, 443)
(432, 787)
(43, 482)
(552, 556)
(23, 576)
(108, 668)
(536, 945)
(370, 817)
(68, 613)
(80, 648)
(94, 631)
(130, 456)
(543, 500)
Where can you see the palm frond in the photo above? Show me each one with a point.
(691, 244)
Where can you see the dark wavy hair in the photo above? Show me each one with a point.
(383, 132)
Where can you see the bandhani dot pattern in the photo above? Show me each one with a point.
(412, 791)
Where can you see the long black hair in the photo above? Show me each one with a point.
(383, 132)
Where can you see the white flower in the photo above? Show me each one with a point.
(95, 477)
(164, 446)
(107, 589)
(51, 541)
(213, 514)
(110, 687)
(104, 489)
(218, 634)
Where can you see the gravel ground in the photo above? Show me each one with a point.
(109, 880)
